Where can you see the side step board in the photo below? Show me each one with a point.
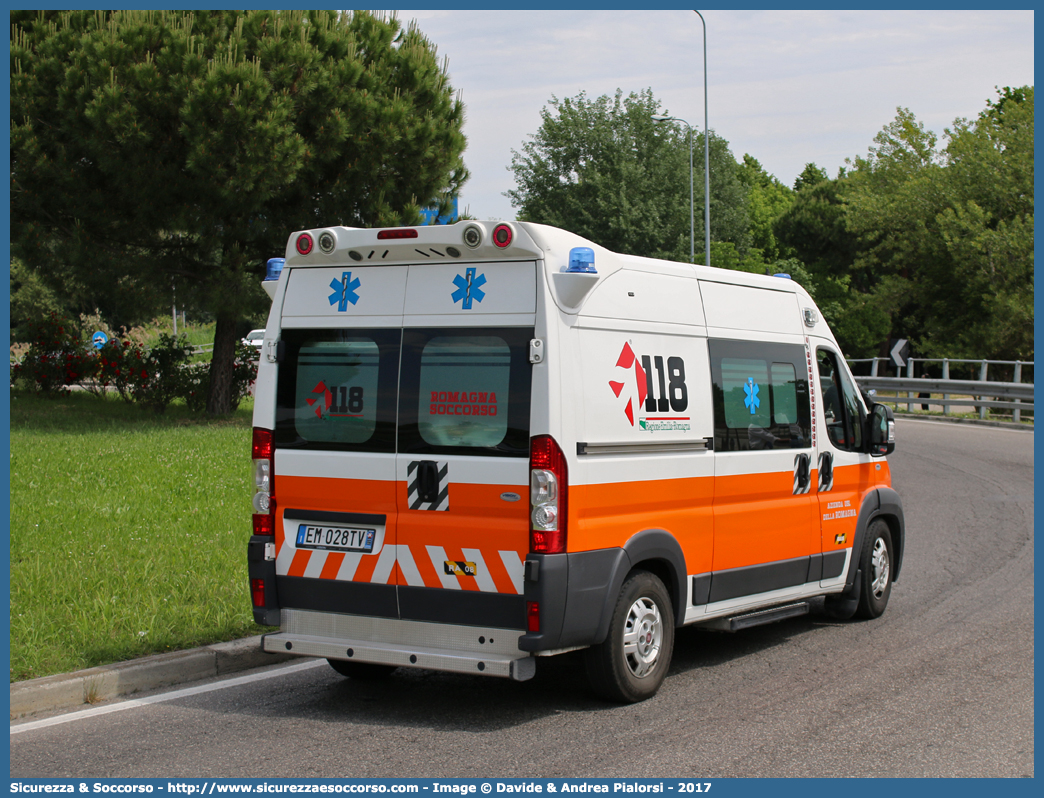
(736, 622)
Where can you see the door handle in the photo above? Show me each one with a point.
(427, 480)
(826, 471)
(802, 475)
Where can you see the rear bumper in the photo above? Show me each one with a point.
(488, 651)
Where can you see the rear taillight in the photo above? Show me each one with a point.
(548, 491)
(532, 616)
(304, 244)
(257, 592)
(264, 495)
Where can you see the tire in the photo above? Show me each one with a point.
(630, 664)
(875, 565)
(363, 671)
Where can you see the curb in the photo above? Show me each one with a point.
(70, 690)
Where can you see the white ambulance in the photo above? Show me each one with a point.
(480, 444)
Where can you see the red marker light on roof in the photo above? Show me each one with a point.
(406, 232)
(304, 243)
(502, 235)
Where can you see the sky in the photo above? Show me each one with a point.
(787, 87)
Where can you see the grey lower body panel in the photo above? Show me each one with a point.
(487, 651)
(751, 580)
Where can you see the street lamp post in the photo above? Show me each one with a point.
(692, 207)
(706, 150)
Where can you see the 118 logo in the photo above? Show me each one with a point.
(664, 394)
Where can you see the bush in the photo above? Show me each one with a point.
(118, 361)
(151, 376)
(157, 375)
(197, 379)
(57, 357)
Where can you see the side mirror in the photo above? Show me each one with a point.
(881, 432)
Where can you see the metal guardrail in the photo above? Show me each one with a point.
(1013, 396)
(917, 365)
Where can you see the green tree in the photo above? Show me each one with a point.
(987, 228)
(810, 176)
(767, 200)
(31, 298)
(151, 146)
(946, 236)
(814, 226)
(605, 170)
(815, 230)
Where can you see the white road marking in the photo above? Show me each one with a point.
(155, 699)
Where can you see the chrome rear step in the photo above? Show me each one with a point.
(487, 651)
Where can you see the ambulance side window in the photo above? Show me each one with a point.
(465, 391)
(761, 396)
(841, 404)
(336, 390)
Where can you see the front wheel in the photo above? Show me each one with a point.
(630, 664)
(876, 571)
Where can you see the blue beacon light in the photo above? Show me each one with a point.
(275, 266)
(581, 261)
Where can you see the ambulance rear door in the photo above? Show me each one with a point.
(462, 467)
(334, 461)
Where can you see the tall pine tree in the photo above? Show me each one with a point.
(153, 146)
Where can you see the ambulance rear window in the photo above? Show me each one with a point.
(465, 391)
(337, 390)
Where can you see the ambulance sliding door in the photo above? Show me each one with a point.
(765, 529)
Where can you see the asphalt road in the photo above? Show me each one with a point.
(941, 685)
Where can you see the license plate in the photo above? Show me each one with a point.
(335, 538)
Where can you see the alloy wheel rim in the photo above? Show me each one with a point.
(880, 567)
(643, 636)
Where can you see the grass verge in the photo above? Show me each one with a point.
(128, 532)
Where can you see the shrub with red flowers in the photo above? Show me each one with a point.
(158, 374)
(57, 357)
(118, 362)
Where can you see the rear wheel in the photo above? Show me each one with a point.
(364, 671)
(630, 664)
(876, 566)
